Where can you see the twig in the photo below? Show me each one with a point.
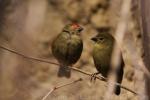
(102, 78)
(32, 58)
(73, 68)
(60, 86)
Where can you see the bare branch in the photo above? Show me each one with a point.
(32, 58)
(50, 92)
(101, 78)
(60, 86)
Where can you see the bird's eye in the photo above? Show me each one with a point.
(101, 39)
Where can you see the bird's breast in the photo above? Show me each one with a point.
(102, 57)
(67, 49)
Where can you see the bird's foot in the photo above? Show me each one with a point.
(93, 77)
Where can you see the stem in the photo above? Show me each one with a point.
(101, 78)
(60, 86)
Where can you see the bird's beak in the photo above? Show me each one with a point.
(80, 29)
(94, 39)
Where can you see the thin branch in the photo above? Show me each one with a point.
(32, 58)
(101, 78)
(60, 86)
(50, 92)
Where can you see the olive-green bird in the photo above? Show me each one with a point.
(67, 48)
(102, 52)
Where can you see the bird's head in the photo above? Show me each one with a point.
(73, 28)
(103, 38)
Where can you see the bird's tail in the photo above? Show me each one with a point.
(117, 90)
(119, 80)
(64, 71)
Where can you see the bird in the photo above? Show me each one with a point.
(102, 52)
(67, 48)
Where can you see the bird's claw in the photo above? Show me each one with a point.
(93, 77)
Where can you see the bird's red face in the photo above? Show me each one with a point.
(73, 28)
(76, 27)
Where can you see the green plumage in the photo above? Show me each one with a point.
(67, 48)
(102, 52)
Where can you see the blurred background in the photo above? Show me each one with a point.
(29, 27)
